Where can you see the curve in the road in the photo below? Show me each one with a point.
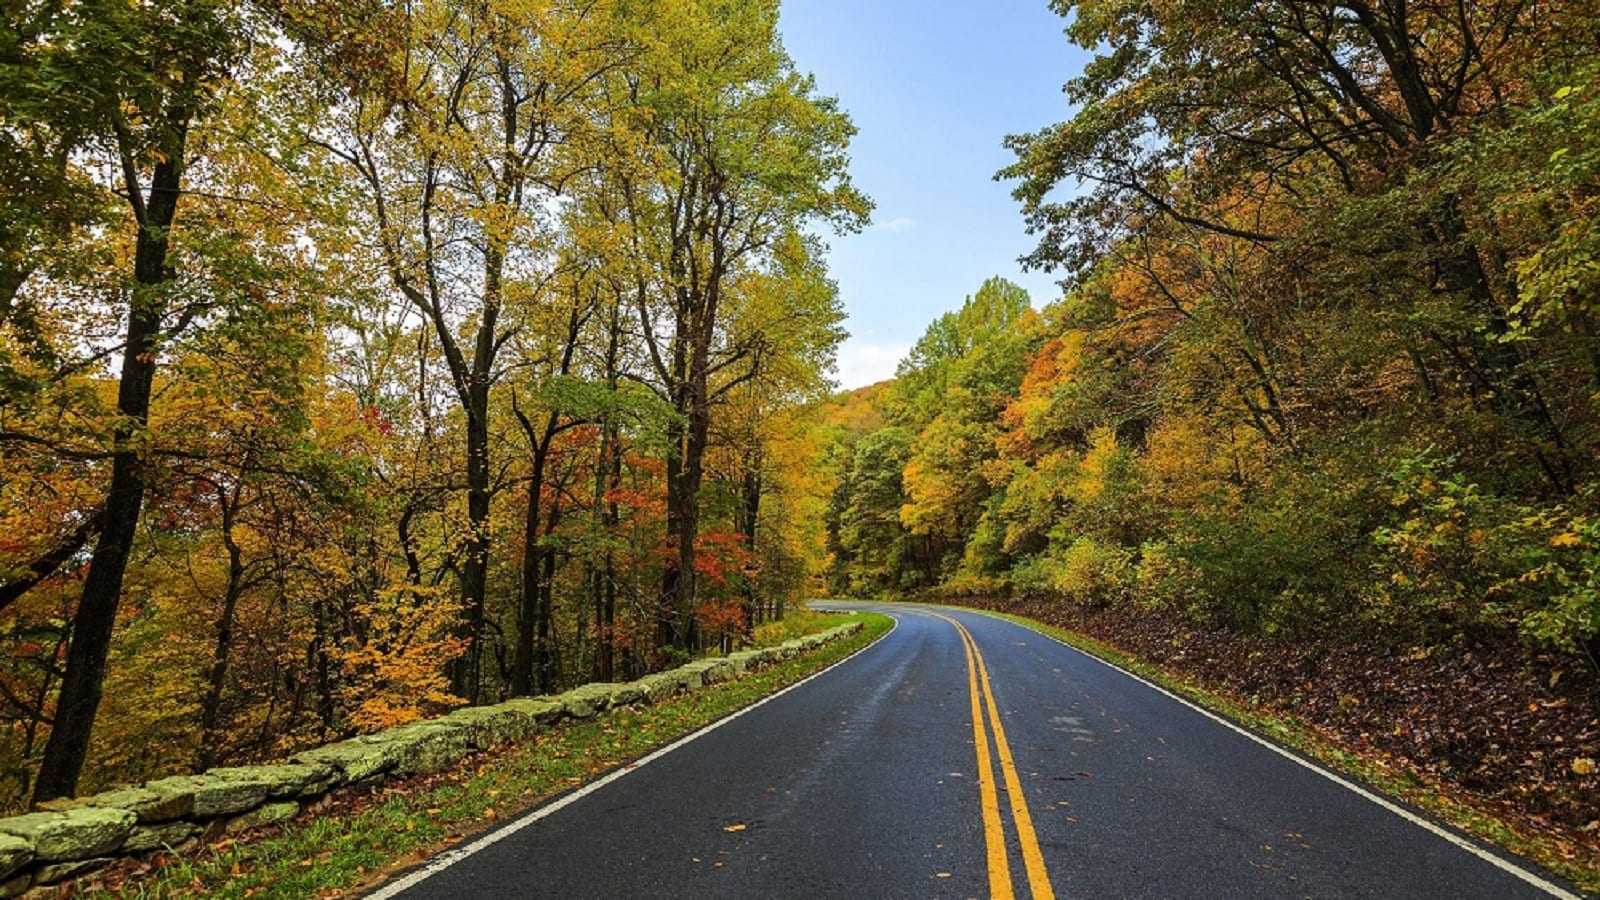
(1000, 887)
(855, 784)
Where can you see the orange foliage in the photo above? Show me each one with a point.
(717, 554)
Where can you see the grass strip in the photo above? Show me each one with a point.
(325, 854)
(1555, 855)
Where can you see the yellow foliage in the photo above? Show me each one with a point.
(396, 675)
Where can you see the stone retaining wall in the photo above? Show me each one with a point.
(68, 838)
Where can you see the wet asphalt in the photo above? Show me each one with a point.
(861, 783)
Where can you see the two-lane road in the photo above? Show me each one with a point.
(964, 756)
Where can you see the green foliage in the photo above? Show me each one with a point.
(1080, 570)
(1461, 558)
(875, 548)
(974, 350)
(1276, 569)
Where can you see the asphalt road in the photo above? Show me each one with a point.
(868, 781)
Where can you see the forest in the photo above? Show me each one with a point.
(362, 360)
(1317, 416)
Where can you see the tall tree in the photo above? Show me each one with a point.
(173, 57)
(459, 150)
(744, 151)
(1338, 112)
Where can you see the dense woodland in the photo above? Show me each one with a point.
(358, 360)
(1327, 372)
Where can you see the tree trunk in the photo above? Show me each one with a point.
(79, 699)
(217, 673)
(751, 497)
(547, 661)
(522, 661)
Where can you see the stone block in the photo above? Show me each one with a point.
(744, 660)
(541, 711)
(427, 746)
(267, 814)
(358, 759)
(15, 852)
(283, 780)
(658, 686)
(159, 801)
(160, 836)
(586, 700)
(55, 873)
(491, 726)
(73, 835)
(223, 794)
(624, 694)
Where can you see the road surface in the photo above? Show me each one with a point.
(965, 756)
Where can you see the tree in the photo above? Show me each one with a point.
(174, 58)
(742, 152)
(951, 388)
(1336, 113)
(870, 531)
(460, 149)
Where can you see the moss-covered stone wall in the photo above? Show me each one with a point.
(68, 838)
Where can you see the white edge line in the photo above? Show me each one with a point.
(1549, 887)
(450, 857)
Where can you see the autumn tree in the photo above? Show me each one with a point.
(153, 72)
(742, 152)
(460, 150)
(1289, 105)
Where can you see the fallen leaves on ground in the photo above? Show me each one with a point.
(1509, 731)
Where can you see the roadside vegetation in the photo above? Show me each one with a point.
(1317, 419)
(358, 362)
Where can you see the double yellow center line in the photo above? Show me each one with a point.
(993, 830)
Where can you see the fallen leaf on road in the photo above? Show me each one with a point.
(735, 827)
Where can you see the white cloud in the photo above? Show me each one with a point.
(894, 226)
(864, 362)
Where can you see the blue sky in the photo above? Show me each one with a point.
(933, 86)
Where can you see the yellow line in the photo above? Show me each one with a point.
(1032, 855)
(994, 837)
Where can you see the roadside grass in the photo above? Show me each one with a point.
(1555, 855)
(324, 853)
(797, 622)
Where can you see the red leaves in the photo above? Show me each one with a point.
(719, 553)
